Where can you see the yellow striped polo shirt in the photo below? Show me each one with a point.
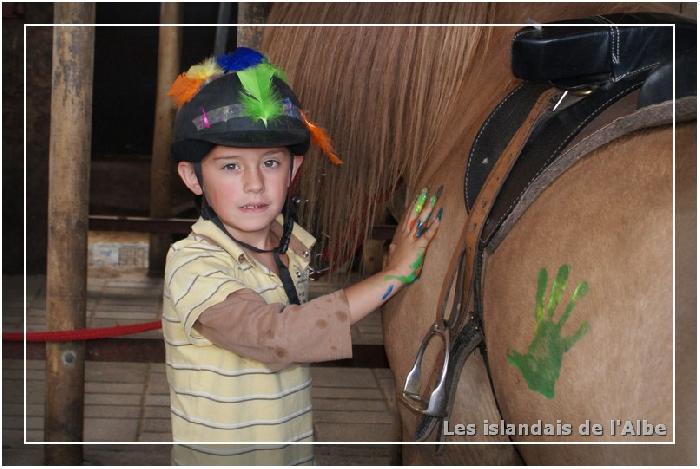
(215, 394)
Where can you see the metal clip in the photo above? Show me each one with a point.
(315, 274)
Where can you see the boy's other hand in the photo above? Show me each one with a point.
(412, 237)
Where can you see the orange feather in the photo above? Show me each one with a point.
(183, 89)
(320, 138)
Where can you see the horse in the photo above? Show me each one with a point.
(404, 105)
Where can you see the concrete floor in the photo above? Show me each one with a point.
(129, 402)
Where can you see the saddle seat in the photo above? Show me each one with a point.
(573, 57)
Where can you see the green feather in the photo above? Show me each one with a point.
(260, 100)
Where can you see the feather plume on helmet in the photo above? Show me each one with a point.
(240, 99)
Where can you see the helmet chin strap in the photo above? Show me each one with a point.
(208, 213)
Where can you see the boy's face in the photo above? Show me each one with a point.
(246, 187)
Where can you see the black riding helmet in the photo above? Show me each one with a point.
(241, 100)
(215, 116)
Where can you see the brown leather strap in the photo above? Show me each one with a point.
(471, 231)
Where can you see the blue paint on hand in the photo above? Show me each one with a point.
(388, 292)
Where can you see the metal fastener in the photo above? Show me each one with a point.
(68, 357)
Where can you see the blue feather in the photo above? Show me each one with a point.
(240, 59)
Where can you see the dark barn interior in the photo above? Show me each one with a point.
(122, 121)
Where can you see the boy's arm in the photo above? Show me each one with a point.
(272, 333)
(320, 329)
(313, 332)
(369, 294)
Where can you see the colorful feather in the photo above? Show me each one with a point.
(260, 101)
(240, 59)
(320, 138)
(184, 88)
(205, 70)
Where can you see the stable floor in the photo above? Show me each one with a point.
(129, 402)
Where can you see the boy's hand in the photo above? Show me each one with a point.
(412, 237)
(405, 260)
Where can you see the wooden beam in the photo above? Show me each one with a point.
(251, 14)
(169, 45)
(223, 18)
(373, 249)
(66, 260)
(183, 225)
(141, 224)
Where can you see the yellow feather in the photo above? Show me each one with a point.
(205, 70)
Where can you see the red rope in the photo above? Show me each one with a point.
(81, 334)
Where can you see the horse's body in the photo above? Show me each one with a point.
(609, 217)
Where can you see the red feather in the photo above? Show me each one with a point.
(320, 138)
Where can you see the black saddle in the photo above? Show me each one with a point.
(608, 62)
(577, 56)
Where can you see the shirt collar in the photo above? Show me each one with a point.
(300, 241)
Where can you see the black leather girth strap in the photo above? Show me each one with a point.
(549, 137)
(494, 135)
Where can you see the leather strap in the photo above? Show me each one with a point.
(548, 139)
(283, 270)
(470, 336)
(494, 135)
(495, 180)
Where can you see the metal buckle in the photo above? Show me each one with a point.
(436, 406)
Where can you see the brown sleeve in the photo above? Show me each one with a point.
(272, 333)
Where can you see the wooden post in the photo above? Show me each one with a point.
(373, 250)
(222, 19)
(66, 259)
(169, 42)
(251, 13)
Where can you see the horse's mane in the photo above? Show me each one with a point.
(384, 94)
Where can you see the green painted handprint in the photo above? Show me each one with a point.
(541, 364)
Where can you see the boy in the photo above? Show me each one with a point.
(237, 327)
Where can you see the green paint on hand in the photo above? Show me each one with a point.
(416, 268)
(422, 197)
(541, 364)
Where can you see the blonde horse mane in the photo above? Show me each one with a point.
(385, 94)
